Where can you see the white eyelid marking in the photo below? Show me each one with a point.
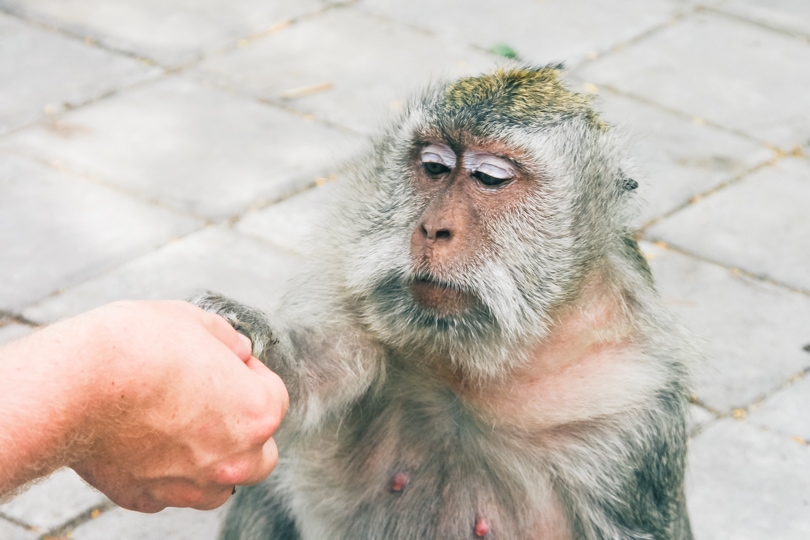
(439, 153)
(488, 164)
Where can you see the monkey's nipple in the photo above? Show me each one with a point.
(442, 298)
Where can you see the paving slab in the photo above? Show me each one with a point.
(169, 32)
(215, 259)
(791, 16)
(673, 158)
(736, 74)
(43, 73)
(291, 223)
(196, 149)
(57, 230)
(172, 523)
(14, 331)
(9, 531)
(759, 224)
(787, 411)
(347, 67)
(747, 483)
(53, 501)
(699, 418)
(753, 331)
(544, 32)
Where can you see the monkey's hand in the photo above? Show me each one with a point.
(248, 321)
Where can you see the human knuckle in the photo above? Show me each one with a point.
(233, 472)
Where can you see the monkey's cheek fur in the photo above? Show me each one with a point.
(440, 298)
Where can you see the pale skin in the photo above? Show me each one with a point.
(155, 404)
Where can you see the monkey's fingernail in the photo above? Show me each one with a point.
(481, 527)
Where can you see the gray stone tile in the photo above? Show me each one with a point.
(171, 32)
(344, 66)
(673, 158)
(215, 258)
(733, 73)
(194, 148)
(791, 16)
(753, 331)
(541, 32)
(748, 484)
(57, 230)
(54, 501)
(760, 224)
(14, 331)
(290, 223)
(9, 531)
(172, 523)
(42, 73)
(787, 411)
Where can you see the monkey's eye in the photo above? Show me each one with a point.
(435, 168)
(438, 159)
(488, 180)
(488, 169)
(491, 174)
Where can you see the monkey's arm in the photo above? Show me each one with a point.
(325, 367)
(623, 479)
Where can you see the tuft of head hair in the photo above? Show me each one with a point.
(523, 96)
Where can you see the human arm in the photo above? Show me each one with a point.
(154, 403)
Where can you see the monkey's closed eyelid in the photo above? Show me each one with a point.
(495, 171)
(489, 165)
(435, 153)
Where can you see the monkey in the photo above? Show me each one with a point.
(478, 349)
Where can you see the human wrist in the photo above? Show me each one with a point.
(50, 406)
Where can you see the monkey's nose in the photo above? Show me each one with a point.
(435, 233)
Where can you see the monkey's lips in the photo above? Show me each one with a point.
(441, 297)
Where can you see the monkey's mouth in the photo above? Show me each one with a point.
(444, 298)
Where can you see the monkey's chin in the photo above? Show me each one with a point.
(440, 298)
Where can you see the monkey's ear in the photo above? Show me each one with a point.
(627, 183)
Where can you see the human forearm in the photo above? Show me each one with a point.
(45, 400)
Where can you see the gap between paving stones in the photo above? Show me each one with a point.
(45, 23)
(92, 41)
(699, 197)
(765, 279)
(17, 522)
(248, 40)
(64, 530)
(741, 413)
(618, 47)
(742, 18)
(9, 317)
(691, 117)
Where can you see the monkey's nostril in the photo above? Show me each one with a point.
(443, 234)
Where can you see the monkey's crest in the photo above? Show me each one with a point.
(519, 96)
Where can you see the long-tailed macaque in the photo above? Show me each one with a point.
(478, 350)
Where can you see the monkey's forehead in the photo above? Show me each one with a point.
(522, 96)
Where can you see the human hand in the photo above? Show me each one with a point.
(185, 412)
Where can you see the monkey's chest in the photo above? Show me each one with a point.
(421, 467)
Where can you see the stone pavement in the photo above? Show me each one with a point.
(152, 148)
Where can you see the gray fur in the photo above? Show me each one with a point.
(366, 402)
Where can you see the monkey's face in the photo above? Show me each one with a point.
(477, 215)
(461, 191)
